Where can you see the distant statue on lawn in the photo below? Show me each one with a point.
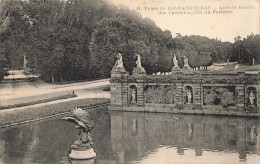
(119, 62)
(138, 62)
(82, 147)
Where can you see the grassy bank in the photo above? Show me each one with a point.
(34, 113)
(33, 102)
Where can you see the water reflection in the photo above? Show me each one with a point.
(137, 133)
(89, 161)
(39, 142)
(137, 138)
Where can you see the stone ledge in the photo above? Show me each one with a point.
(175, 110)
(31, 113)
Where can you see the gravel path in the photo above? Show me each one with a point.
(29, 89)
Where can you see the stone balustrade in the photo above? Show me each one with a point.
(193, 92)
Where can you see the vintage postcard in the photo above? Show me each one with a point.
(130, 81)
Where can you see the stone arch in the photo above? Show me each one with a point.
(251, 97)
(133, 94)
(188, 94)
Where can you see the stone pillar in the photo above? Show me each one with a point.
(240, 88)
(197, 94)
(118, 72)
(258, 96)
(179, 95)
(140, 93)
(118, 89)
(140, 72)
(124, 94)
(115, 94)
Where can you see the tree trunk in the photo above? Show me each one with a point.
(239, 56)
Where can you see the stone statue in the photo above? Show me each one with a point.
(138, 62)
(133, 96)
(186, 63)
(138, 70)
(82, 147)
(189, 96)
(251, 99)
(119, 62)
(175, 61)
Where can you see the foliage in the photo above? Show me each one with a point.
(53, 35)
(226, 97)
(160, 94)
(244, 51)
(128, 34)
(218, 96)
(79, 39)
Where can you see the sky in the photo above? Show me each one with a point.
(221, 19)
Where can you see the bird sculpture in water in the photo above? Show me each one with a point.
(84, 143)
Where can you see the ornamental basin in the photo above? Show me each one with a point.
(137, 137)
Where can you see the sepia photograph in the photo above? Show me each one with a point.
(129, 81)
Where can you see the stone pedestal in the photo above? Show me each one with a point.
(139, 71)
(118, 71)
(176, 69)
(83, 154)
(186, 68)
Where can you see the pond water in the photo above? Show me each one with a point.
(137, 138)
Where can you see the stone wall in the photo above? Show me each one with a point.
(197, 93)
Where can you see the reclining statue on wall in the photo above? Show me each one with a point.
(139, 70)
(186, 65)
(175, 63)
(119, 62)
(138, 62)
